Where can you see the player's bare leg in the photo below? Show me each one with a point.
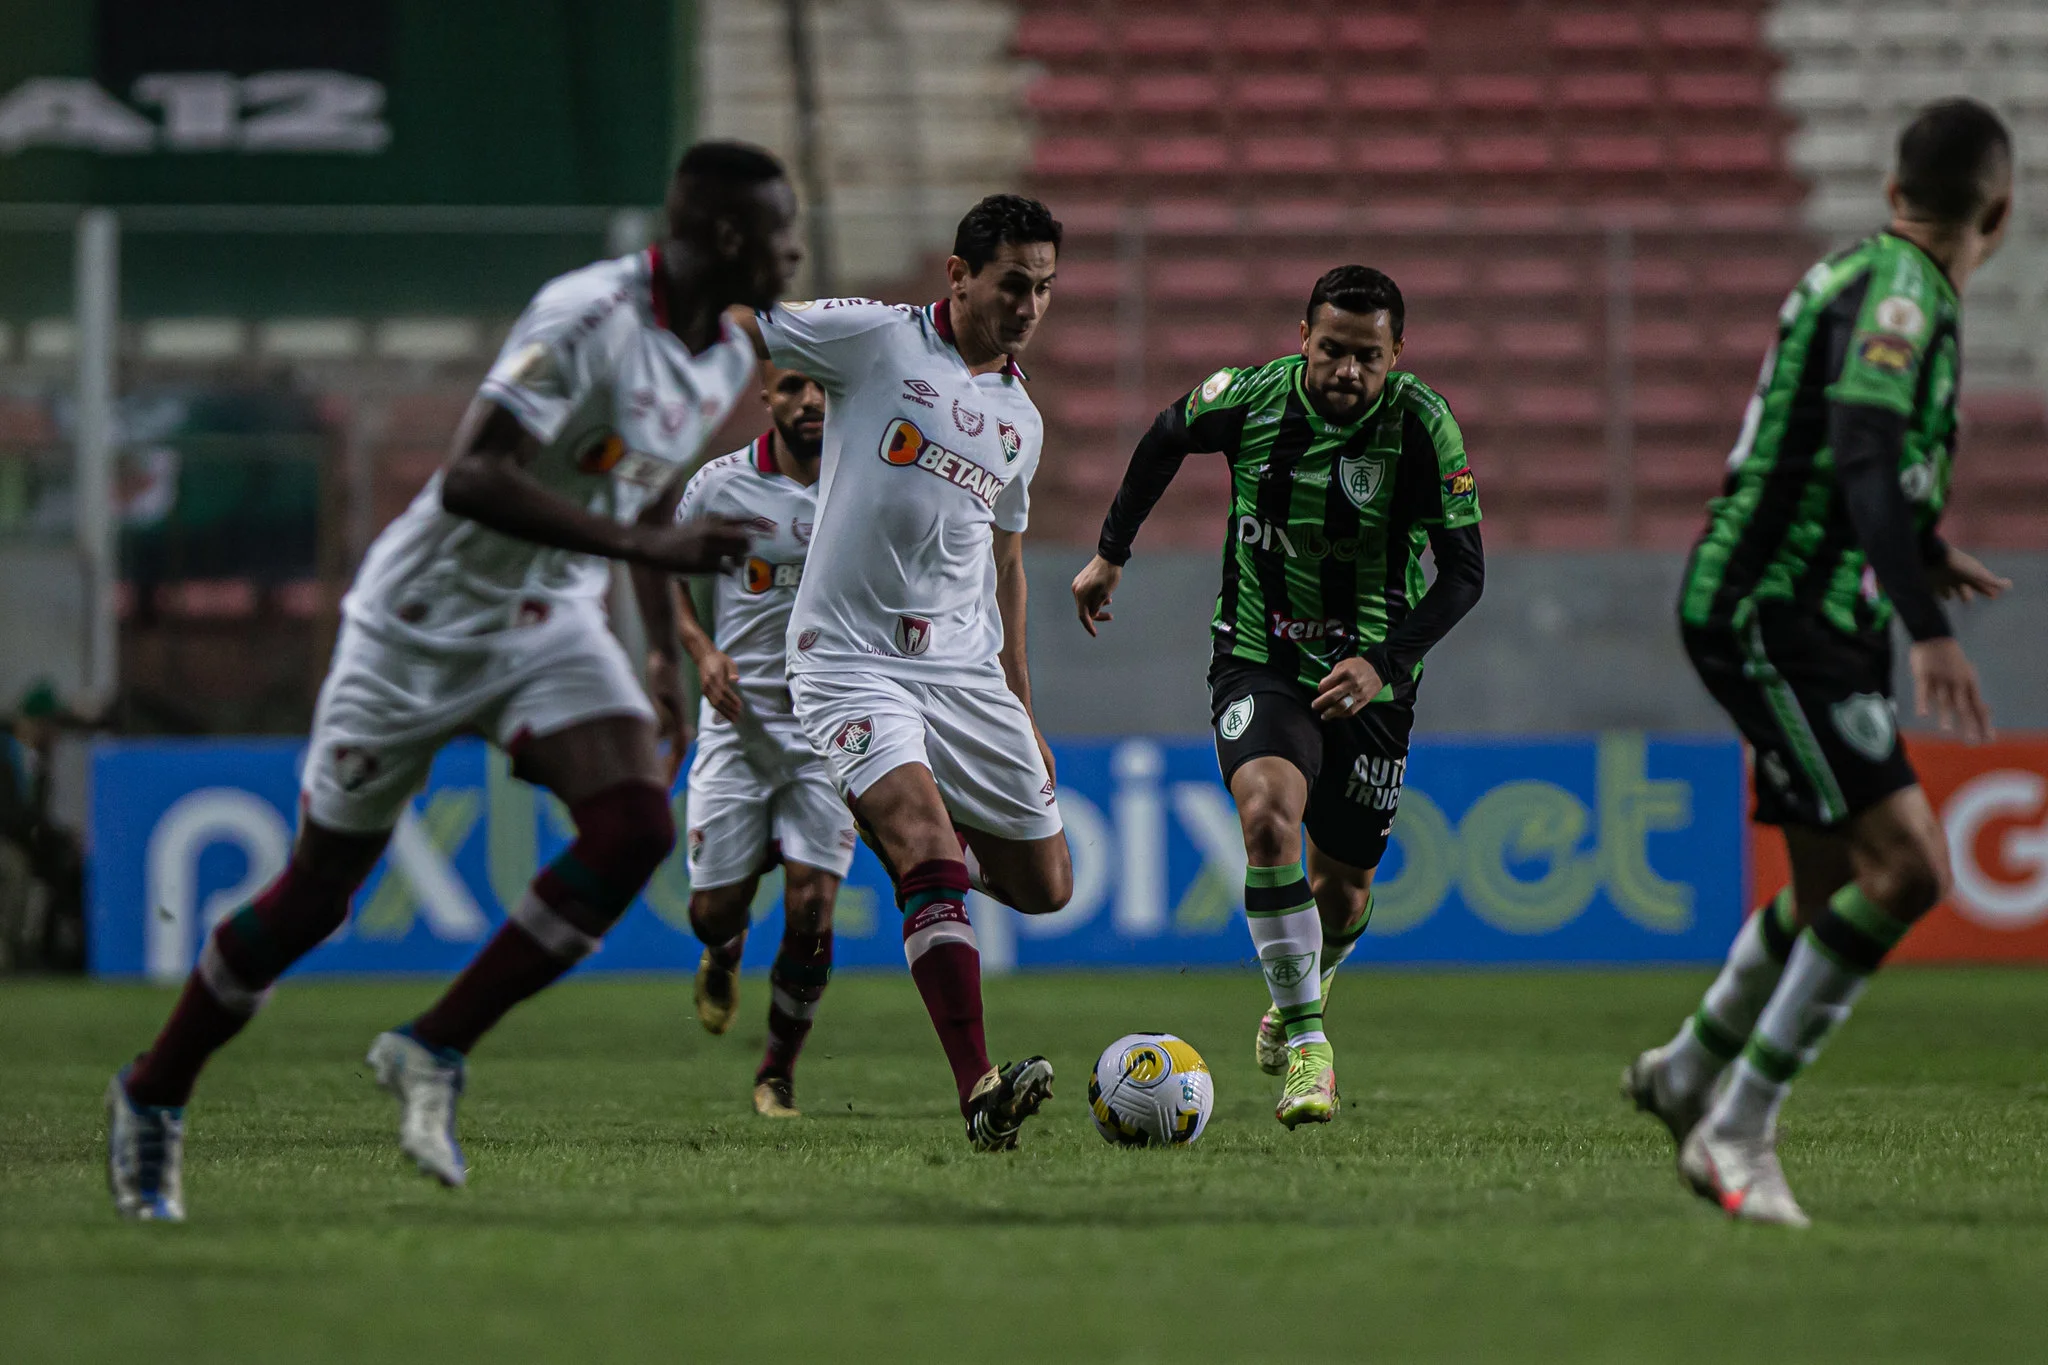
(240, 959)
(796, 984)
(1287, 930)
(1900, 858)
(1031, 876)
(1675, 1083)
(904, 813)
(718, 917)
(609, 773)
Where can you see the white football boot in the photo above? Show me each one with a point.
(1742, 1176)
(145, 1156)
(1647, 1082)
(427, 1082)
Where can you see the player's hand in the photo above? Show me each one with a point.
(1092, 587)
(1350, 685)
(699, 545)
(1945, 682)
(721, 679)
(1963, 577)
(671, 708)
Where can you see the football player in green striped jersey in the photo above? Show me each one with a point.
(1824, 533)
(1343, 469)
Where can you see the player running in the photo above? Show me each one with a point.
(1823, 533)
(758, 792)
(906, 646)
(1342, 469)
(481, 608)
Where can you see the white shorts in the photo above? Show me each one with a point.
(977, 742)
(387, 708)
(757, 780)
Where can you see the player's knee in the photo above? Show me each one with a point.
(625, 832)
(1909, 879)
(807, 904)
(1340, 900)
(717, 916)
(1047, 892)
(1271, 837)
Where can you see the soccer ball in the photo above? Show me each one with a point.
(1151, 1090)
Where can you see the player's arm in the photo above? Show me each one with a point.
(658, 624)
(1171, 438)
(1868, 441)
(1011, 597)
(1870, 402)
(717, 672)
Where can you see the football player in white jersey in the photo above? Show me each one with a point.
(906, 645)
(481, 609)
(758, 792)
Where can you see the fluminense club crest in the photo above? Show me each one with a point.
(1013, 444)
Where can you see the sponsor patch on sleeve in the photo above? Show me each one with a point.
(1886, 352)
(1897, 313)
(1461, 483)
(535, 367)
(1215, 384)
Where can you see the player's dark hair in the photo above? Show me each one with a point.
(1948, 157)
(1000, 219)
(1358, 289)
(709, 174)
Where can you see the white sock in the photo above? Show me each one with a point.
(1712, 1036)
(1288, 933)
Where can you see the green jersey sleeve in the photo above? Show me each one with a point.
(1455, 501)
(1888, 345)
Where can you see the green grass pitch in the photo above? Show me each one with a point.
(1483, 1196)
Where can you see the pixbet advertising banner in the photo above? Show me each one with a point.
(1992, 800)
(1612, 849)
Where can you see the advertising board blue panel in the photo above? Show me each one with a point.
(1618, 848)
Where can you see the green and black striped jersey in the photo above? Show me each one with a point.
(1328, 520)
(1875, 326)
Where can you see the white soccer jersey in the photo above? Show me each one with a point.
(921, 461)
(751, 602)
(617, 403)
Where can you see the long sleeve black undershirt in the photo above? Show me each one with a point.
(1153, 464)
(1460, 578)
(1867, 442)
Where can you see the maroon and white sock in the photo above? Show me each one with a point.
(532, 949)
(945, 962)
(796, 983)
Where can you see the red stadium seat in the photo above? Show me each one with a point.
(1742, 90)
(1533, 276)
(1606, 90)
(1390, 93)
(1081, 344)
(1074, 156)
(1191, 217)
(1090, 280)
(1620, 153)
(1582, 530)
(1280, 92)
(1283, 31)
(1096, 409)
(1288, 279)
(1203, 350)
(1745, 339)
(1294, 217)
(1664, 339)
(1728, 152)
(1497, 93)
(1499, 155)
(1174, 93)
(1437, 343)
(1401, 155)
(1070, 95)
(1199, 280)
(1758, 277)
(1596, 31)
(1709, 28)
(1290, 155)
(1428, 277)
(1672, 404)
(1558, 405)
(1058, 33)
(1167, 34)
(1543, 341)
(1182, 155)
(1375, 34)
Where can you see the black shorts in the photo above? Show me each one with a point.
(1354, 766)
(1815, 703)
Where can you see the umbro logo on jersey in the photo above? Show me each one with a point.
(904, 445)
(970, 422)
(913, 635)
(802, 531)
(354, 767)
(1046, 791)
(918, 391)
(805, 639)
(855, 736)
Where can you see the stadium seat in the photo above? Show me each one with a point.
(1173, 93)
(1192, 217)
(1728, 152)
(1082, 344)
(1557, 405)
(1279, 92)
(302, 599)
(1096, 409)
(1710, 29)
(1294, 217)
(1431, 343)
(1182, 155)
(1401, 155)
(1529, 276)
(1290, 155)
(1074, 156)
(1049, 34)
(1198, 280)
(1082, 279)
(1567, 530)
(1504, 155)
(1390, 93)
(1718, 90)
(1497, 93)
(1164, 34)
(1619, 153)
(1675, 404)
(1070, 95)
(208, 599)
(1427, 277)
(1198, 351)
(1544, 341)
(1606, 90)
(1664, 339)
(1596, 31)
(1275, 31)
(1381, 34)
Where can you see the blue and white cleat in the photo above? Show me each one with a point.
(427, 1082)
(145, 1156)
